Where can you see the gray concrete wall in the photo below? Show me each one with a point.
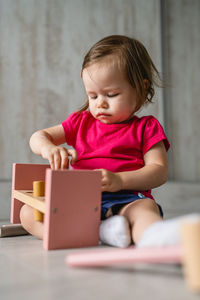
(41, 51)
(182, 55)
(42, 44)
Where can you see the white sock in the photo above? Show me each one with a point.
(115, 231)
(165, 233)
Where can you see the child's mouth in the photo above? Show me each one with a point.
(103, 115)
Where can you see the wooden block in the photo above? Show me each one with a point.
(190, 232)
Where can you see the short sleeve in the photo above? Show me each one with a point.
(70, 126)
(152, 134)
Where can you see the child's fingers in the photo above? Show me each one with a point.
(104, 177)
(73, 154)
(65, 162)
(51, 162)
(57, 161)
(105, 188)
(64, 159)
(104, 181)
(50, 158)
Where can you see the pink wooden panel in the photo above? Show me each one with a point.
(22, 179)
(73, 205)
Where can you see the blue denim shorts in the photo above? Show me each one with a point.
(117, 200)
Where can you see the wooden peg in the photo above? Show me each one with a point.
(190, 233)
(38, 191)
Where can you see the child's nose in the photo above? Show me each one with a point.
(102, 102)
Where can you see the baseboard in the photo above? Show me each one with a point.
(5, 199)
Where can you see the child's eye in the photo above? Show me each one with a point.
(112, 95)
(93, 97)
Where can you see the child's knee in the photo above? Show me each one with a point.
(147, 205)
(26, 216)
(27, 220)
(138, 208)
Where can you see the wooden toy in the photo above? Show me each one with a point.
(187, 254)
(12, 230)
(71, 205)
(190, 232)
(116, 256)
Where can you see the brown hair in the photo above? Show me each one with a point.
(133, 59)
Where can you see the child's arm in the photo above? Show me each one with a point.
(46, 143)
(153, 174)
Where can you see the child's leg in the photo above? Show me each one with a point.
(167, 232)
(133, 219)
(27, 220)
(147, 228)
(141, 214)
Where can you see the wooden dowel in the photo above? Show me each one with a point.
(172, 254)
(38, 191)
(190, 233)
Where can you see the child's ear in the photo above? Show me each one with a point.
(146, 84)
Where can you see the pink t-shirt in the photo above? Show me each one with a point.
(114, 147)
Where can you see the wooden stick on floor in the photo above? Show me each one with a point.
(114, 256)
(7, 230)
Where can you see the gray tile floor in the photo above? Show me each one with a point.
(29, 272)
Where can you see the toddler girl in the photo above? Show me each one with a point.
(131, 152)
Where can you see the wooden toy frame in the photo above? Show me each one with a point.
(72, 204)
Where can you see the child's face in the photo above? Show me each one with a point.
(111, 97)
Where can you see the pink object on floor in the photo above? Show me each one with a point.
(108, 257)
(72, 204)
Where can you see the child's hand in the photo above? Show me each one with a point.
(111, 182)
(58, 157)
